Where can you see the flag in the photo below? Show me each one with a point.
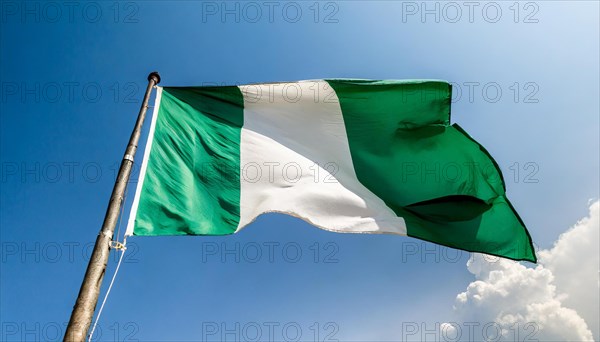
(348, 156)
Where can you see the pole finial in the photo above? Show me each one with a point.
(154, 75)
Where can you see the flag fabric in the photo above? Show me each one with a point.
(349, 156)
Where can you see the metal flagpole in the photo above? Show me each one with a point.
(84, 308)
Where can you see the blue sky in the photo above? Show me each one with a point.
(72, 78)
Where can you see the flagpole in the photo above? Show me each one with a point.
(84, 308)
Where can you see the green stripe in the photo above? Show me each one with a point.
(192, 182)
(443, 183)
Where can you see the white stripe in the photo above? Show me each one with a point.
(140, 183)
(295, 159)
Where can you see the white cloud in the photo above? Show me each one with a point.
(558, 300)
(574, 260)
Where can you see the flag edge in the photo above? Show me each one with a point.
(144, 164)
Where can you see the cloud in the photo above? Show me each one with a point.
(555, 301)
(574, 261)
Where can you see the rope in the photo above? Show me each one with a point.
(118, 246)
(123, 249)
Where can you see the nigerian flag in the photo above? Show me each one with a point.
(348, 156)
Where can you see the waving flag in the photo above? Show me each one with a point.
(350, 156)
